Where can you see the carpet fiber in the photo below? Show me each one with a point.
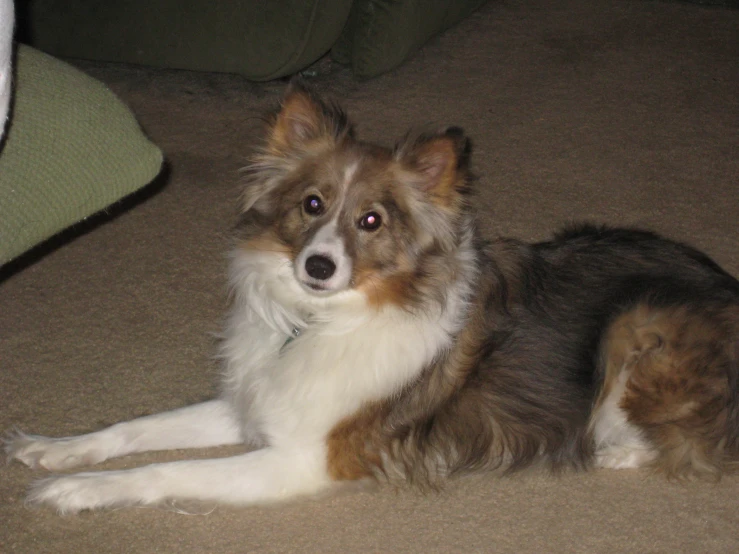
(620, 111)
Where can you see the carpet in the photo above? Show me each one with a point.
(617, 111)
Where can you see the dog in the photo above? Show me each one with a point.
(374, 336)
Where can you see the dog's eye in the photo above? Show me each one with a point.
(370, 221)
(313, 205)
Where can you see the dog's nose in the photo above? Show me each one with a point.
(320, 267)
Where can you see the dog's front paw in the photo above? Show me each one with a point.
(70, 494)
(52, 454)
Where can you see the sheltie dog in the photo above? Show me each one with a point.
(374, 336)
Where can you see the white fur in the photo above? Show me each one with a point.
(300, 390)
(284, 397)
(349, 172)
(6, 51)
(618, 443)
(208, 424)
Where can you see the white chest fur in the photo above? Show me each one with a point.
(346, 355)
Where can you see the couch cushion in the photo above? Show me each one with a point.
(260, 39)
(381, 34)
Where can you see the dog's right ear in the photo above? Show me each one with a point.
(438, 164)
(304, 119)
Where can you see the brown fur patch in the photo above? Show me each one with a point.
(679, 391)
(624, 342)
(351, 453)
(394, 288)
(383, 291)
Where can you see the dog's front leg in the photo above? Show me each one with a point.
(261, 476)
(201, 425)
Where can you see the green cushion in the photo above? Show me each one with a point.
(381, 34)
(72, 149)
(260, 39)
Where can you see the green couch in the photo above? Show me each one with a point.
(261, 39)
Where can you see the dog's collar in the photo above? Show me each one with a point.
(294, 334)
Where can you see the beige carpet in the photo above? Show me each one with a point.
(619, 111)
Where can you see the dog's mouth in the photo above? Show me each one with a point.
(316, 287)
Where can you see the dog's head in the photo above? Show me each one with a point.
(349, 215)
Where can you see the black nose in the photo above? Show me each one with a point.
(320, 267)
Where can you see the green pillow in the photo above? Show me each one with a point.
(382, 34)
(72, 149)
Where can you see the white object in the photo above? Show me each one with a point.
(6, 51)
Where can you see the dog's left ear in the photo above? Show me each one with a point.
(439, 163)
